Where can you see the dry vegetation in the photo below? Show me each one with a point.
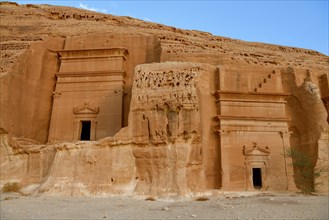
(11, 187)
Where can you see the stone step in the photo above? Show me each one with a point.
(262, 86)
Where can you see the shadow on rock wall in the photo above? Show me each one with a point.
(309, 133)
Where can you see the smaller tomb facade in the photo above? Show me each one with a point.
(88, 97)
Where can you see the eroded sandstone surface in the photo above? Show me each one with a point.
(95, 104)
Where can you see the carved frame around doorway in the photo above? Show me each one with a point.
(256, 157)
(86, 113)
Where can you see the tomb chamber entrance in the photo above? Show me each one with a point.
(257, 178)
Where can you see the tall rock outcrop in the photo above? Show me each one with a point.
(166, 127)
(309, 127)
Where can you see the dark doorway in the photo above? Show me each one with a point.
(85, 130)
(257, 177)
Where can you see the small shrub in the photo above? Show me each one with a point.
(11, 187)
(304, 170)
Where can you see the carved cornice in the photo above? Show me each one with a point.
(92, 73)
(92, 53)
(252, 118)
(218, 93)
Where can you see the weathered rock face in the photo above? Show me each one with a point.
(221, 114)
(161, 152)
(166, 127)
(70, 168)
(309, 132)
(28, 90)
(26, 107)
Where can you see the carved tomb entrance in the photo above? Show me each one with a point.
(256, 162)
(257, 178)
(85, 130)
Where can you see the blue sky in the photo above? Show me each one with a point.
(296, 23)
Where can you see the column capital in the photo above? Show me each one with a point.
(57, 94)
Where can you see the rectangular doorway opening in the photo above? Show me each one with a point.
(257, 178)
(85, 130)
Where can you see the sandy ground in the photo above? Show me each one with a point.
(222, 206)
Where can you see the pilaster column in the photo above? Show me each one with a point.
(54, 117)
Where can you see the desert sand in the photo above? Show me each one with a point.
(221, 205)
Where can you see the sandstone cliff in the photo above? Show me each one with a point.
(166, 146)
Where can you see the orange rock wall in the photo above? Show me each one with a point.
(31, 35)
(22, 111)
(171, 128)
(308, 125)
(26, 99)
(142, 49)
(168, 156)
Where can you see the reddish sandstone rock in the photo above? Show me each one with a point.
(168, 111)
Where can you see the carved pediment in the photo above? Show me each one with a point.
(256, 151)
(86, 109)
